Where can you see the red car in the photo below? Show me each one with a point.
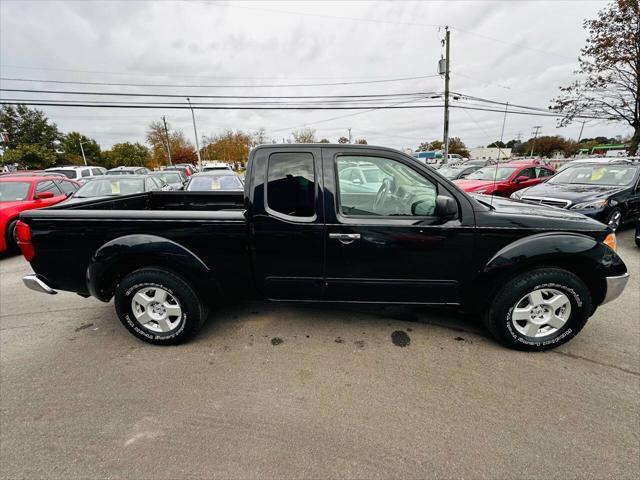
(505, 178)
(21, 193)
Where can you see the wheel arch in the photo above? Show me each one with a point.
(123, 255)
(585, 257)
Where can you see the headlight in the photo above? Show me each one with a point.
(591, 204)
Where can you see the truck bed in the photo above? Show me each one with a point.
(211, 225)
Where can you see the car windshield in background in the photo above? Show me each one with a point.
(215, 182)
(14, 191)
(120, 172)
(610, 175)
(492, 173)
(449, 172)
(110, 186)
(66, 173)
(169, 177)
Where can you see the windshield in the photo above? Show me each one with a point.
(169, 177)
(66, 173)
(492, 173)
(14, 191)
(215, 182)
(110, 186)
(611, 175)
(449, 172)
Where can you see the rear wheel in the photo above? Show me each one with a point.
(159, 307)
(11, 237)
(539, 310)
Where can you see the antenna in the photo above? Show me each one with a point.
(504, 121)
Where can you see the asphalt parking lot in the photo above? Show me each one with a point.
(271, 390)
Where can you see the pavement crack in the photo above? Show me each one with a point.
(597, 362)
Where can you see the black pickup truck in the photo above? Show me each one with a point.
(329, 223)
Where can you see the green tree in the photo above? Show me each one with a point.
(609, 86)
(71, 152)
(30, 156)
(324, 140)
(26, 126)
(127, 154)
(229, 146)
(497, 144)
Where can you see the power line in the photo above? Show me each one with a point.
(166, 85)
(176, 95)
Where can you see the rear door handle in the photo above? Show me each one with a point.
(345, 237)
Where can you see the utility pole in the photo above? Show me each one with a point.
(82, 150)
(447, 64)
(195, 132)
(536, 131)
(580, 137)
(349, 134)
(166, 133)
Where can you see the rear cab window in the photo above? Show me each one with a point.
(291, 186)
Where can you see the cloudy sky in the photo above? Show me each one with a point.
(518, 52)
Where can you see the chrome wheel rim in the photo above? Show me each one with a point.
(156, 309)
(541, 313)
(614, 221)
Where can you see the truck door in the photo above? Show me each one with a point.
(387, 245)
(287, 226)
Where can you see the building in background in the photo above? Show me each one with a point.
(482, 153)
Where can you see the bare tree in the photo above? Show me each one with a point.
(610, 71)
(304, 135)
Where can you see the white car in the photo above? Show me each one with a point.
(78, 173)
(211, 166)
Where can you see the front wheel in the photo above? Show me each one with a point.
(614, 220)
(539, 310)
(159, 307)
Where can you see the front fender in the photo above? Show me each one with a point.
(585, 256)
(122, 255)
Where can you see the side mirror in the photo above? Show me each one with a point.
(44, 195)
(521, 178)
(446, 208)
(357, 180)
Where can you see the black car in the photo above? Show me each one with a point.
(300, 233)
(455, 172)
(638, 233)
(610, 193)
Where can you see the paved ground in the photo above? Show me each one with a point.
(285, 391)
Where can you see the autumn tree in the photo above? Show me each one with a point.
(609, 83)
(429, 146)
(182, 150)
(343, 140)
(361, 141)
(229, 146)
(324, 140)
(72, 153)
(457, 146)
(497, 144)
(304, 135)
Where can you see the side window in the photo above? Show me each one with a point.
(86, 173)
(291, 188)
(151, 185)
(392, 189)
(48, 186)
(96, 171)
(543, 172)
(66, 187)
(527, 172)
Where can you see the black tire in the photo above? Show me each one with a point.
(10, 237)
(498, 318)
(193, 312)
(612, 215)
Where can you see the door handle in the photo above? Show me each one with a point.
(345, 237)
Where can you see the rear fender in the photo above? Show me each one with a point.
(584, 256)
(123, 255)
